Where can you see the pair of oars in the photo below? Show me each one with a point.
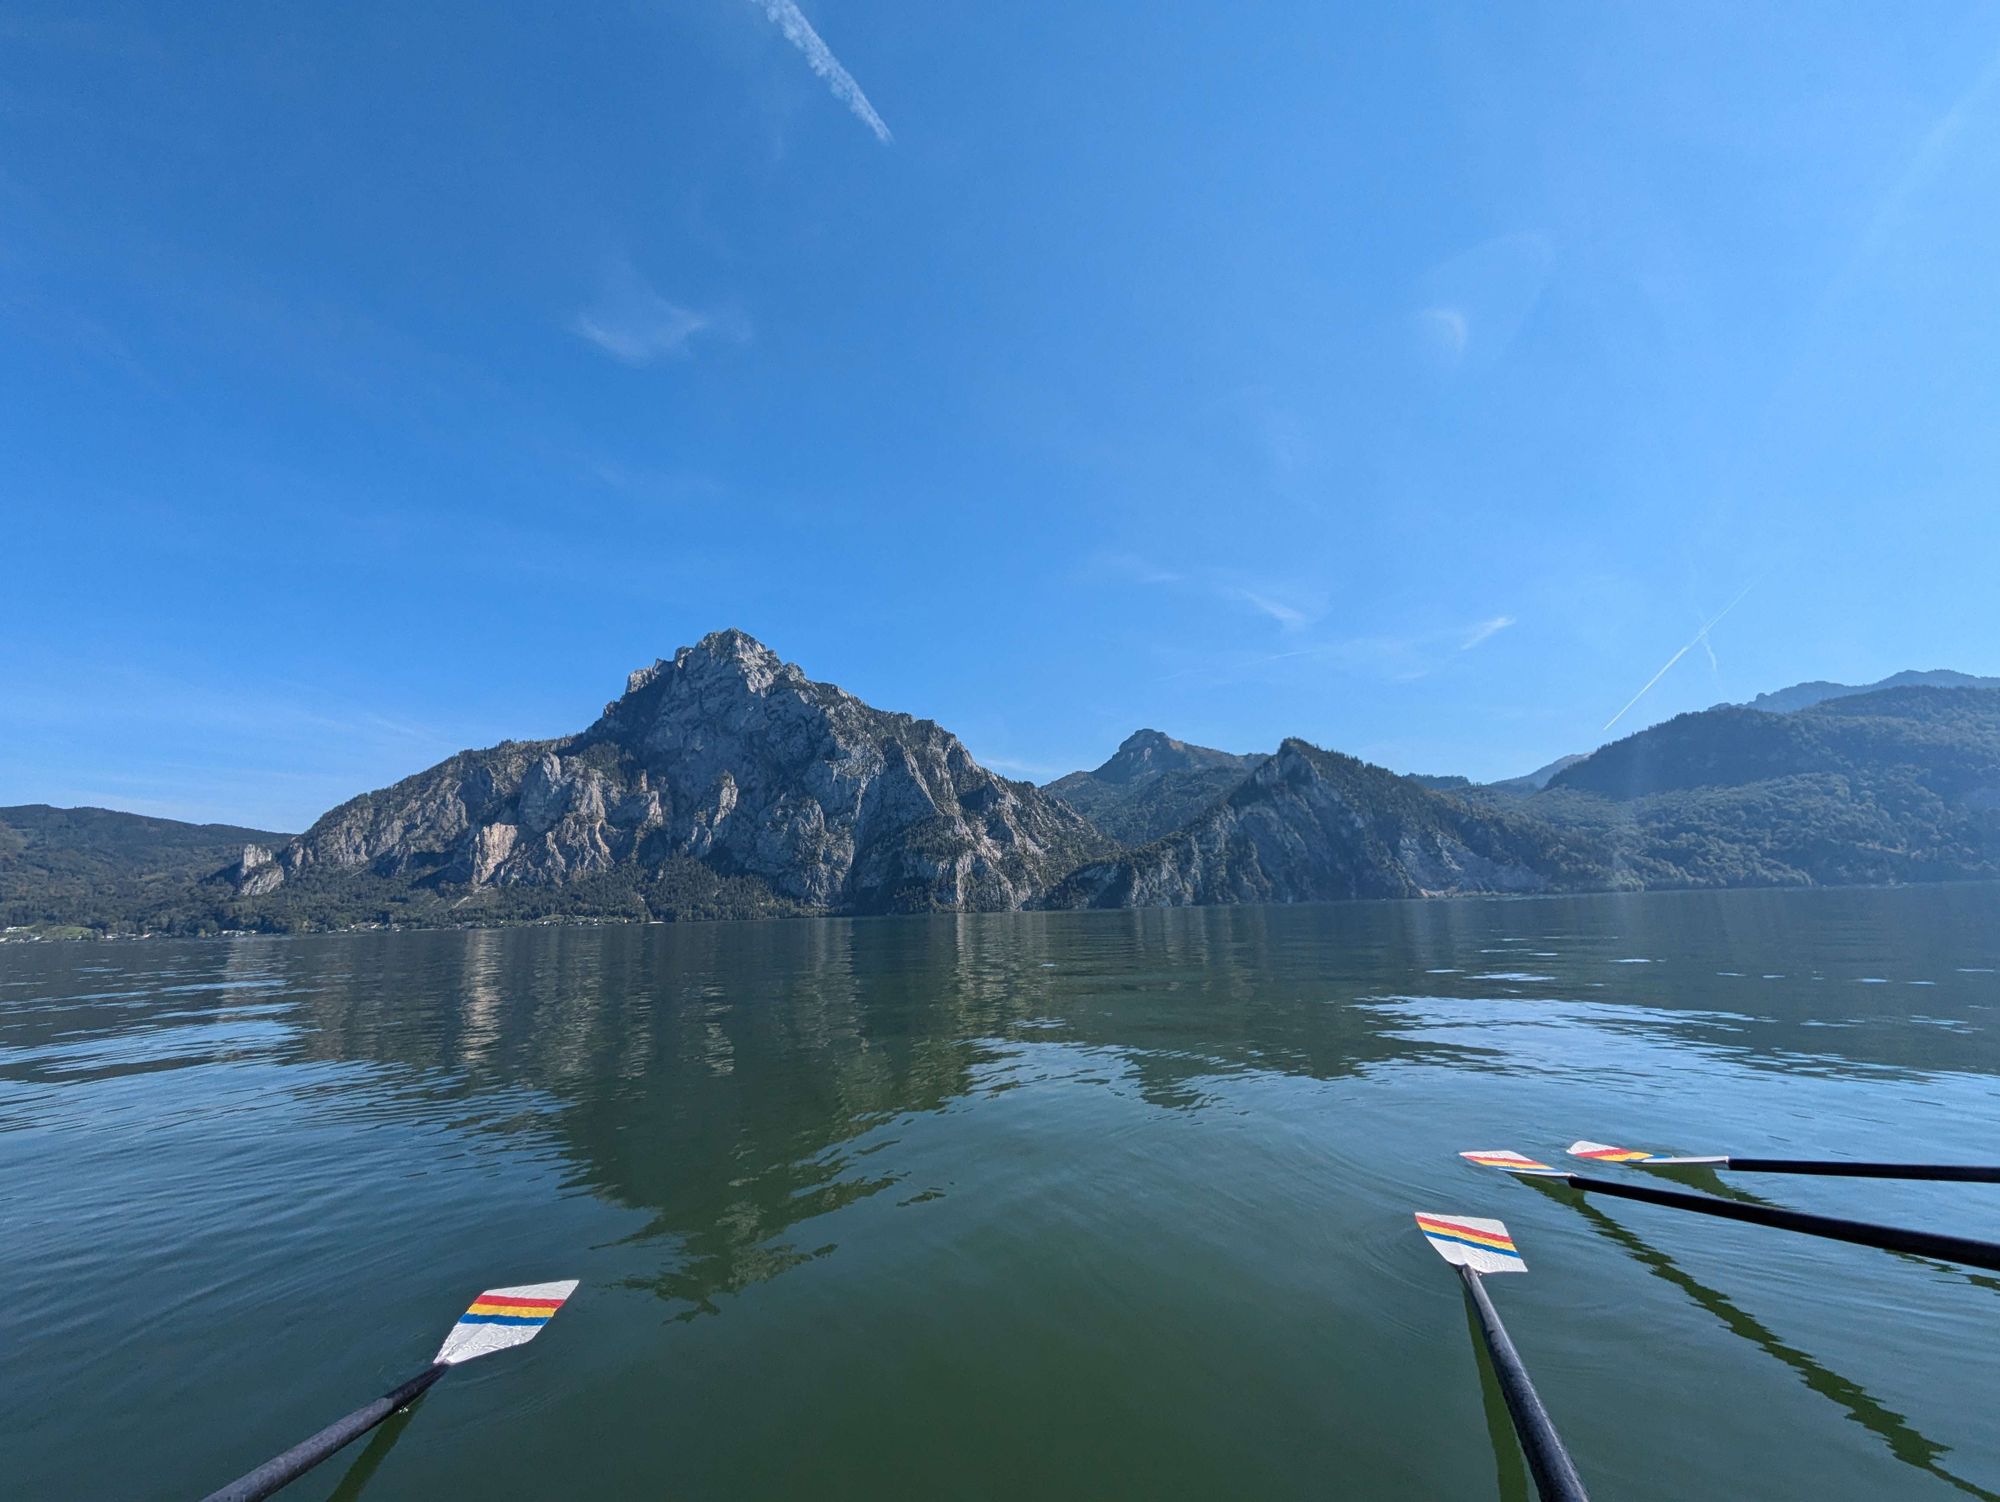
(499, 1319)
(1962, 1249)
(1477, 1247)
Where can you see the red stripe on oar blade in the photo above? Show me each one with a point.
(536, 1305)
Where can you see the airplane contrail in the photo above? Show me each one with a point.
(788, 18)
(1700, 636)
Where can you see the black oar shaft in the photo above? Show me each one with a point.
(1963, 1249)
(1833, 1168)
(1555, 1476)
(302, 1457)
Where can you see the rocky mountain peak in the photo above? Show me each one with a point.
(1141, 752)
(720, 657)
(1146, 753)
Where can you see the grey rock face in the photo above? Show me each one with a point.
(730, 755)
(256, 872)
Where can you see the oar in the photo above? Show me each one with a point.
(1837, 1168)
(499, 1318)
(1904, 1441)
(1483, 1246)
(1962, 1249)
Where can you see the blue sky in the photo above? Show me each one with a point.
(384, 379)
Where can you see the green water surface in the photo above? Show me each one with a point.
(1096, 1205)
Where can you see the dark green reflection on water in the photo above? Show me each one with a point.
(1509, 1464)
(729, 1114)
(1708, 1180)
(357, 1476)
(1904, 1442)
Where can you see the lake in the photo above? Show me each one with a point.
(1078, 1205)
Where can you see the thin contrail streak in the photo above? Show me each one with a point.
(1699, 636)
(788, 18)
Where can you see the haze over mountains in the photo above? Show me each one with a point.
(725, 783)
(1805, 695)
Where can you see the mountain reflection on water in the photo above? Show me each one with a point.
(732, 1089)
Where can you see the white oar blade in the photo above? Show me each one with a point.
(503, 1317)
(1604, 1152)
(1465, 1241)
(1508, 1161)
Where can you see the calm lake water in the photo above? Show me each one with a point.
(1076, 1205)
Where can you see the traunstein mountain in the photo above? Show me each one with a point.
(727, 757)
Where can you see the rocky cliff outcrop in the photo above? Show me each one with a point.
(727, 756)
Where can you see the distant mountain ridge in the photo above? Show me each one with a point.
(1779, 701)
(725, 783)
(1151, 784)
(1535, 781)
(1897, 786)
(1805, 695)
(1311, 825)
(1148, 753)
(1943, 731)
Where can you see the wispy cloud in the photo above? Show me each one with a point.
(1396, 657)
(1472, 305)
(1700, 636)
(1135, 568)
(789, 19)
(1445, 332)
(1291, 617)
(268, 753)
(1031, 771)
(633, 323)
(1291, 606)
(1925, 167)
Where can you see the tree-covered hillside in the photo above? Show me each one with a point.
(99, 869)
(1902, 785)
(1949, 739)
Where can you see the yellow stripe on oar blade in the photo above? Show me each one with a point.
(1604, 1152)
(503, 1317)
(1508, 1160)
(1485, 1246)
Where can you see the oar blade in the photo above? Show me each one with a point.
(1485, 1246)
(503, 1317)
(1509, 1161)
(1604, 1152)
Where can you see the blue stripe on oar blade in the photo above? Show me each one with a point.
(503, 1319)
(1498, 1251)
